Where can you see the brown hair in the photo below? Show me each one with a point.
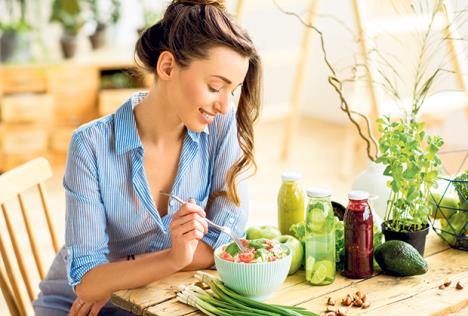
(187, 30)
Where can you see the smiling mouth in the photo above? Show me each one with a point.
(206, 114)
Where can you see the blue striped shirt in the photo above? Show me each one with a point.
(110, 212)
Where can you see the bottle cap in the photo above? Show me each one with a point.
(317, 192)
(290, 176)
(358, 195)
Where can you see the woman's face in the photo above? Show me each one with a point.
(204, 88)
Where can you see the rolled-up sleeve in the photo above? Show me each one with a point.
(86, 239)
(222, 211)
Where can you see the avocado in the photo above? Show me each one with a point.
(399, 258)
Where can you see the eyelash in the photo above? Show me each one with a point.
(218, 91)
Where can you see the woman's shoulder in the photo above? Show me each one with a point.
(98, 130)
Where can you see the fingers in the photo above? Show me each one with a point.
(84, 309)
(97, 307)
(191, 235)
(189, 207)
(193, 218)
(189, 226)
(80, 308)
(77, 304)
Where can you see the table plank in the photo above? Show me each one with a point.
(384, 290)
(137, 300)
(169, 308)
(429, 302)
(158, 298)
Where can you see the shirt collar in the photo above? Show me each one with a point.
(126, 133)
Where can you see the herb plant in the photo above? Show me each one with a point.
(413, 164)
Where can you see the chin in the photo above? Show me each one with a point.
(197, 128)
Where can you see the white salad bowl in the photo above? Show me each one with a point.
(254, 280)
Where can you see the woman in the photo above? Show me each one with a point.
(184, 137)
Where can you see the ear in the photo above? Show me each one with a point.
(165, 65)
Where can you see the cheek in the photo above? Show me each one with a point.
(195, 94)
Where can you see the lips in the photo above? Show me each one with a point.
(206, 116)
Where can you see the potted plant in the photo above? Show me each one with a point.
(69, 14)
(412, 162)
(103, 13)
(15, 34)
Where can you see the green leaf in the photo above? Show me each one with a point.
(232, 249)
(411, 172)
(387, 171)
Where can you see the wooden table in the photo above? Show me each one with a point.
(418, 295)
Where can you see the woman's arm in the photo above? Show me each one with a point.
(202, 259)
(187, 228)
(100, 282)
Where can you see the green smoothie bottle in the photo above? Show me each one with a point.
(290, 202)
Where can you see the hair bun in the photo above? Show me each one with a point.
(217, 3)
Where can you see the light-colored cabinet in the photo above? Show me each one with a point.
(41, 106)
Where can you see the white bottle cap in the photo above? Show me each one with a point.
(317, 192)
(358, 195)
(290, 176)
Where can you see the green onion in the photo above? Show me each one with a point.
(222, 301)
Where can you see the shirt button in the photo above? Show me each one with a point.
(171, 203)
(231, 220)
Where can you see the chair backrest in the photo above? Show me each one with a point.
(13, 185)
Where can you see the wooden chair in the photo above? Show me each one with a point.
(13, 185)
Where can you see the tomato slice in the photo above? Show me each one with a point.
(244, 242)
(246, 257)
(227, 257)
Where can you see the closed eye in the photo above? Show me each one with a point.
(214, 90)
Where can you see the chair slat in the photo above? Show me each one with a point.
(23, 177)
(18, 253)
(32, 240)
(11, 277)
(8, 296)
(45, 207)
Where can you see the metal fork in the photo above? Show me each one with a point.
(228, 231)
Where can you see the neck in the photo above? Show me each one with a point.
(156, 121)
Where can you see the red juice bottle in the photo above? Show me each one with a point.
(358, 237)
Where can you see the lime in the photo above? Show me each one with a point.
(322, 269)
(309, 267)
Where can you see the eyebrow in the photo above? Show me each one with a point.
(226, 79)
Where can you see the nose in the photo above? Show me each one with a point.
(222, 104)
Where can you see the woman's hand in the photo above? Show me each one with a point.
(187, 228)
(82, 308)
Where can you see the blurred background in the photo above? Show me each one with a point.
(65, 62)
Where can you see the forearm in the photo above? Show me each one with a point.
(100, 282)
(202, 259)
